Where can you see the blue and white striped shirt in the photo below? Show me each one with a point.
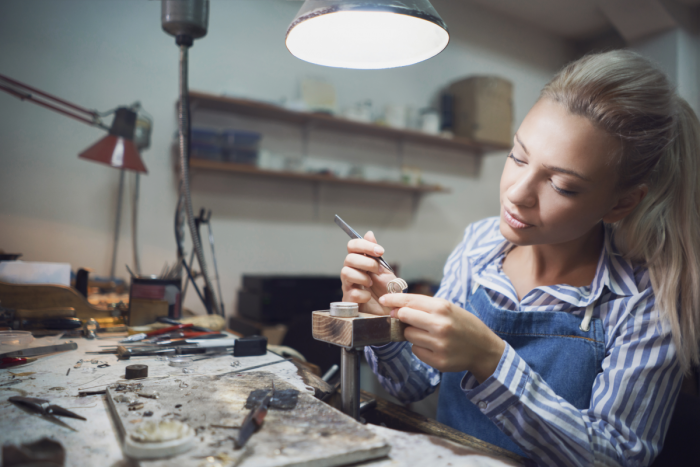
(632, 398)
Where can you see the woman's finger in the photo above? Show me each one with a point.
(357, 295)
(353, 276)
(363, 263)
(424, 355)
(416, 301)
(419, 337)
(365, 247)
(416, 318)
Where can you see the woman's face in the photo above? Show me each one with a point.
(559, 180)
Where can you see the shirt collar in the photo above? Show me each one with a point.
(613, 271)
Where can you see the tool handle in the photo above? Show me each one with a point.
(9, 362)
(158, 332)
(212, 342)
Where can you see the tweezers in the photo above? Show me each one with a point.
(352, 234)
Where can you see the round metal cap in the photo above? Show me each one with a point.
(345, 309)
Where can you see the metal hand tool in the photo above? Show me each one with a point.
(157, 332)
(36, 351)
(125, 353)
(43, 407)
(254, 420)
(166, 320)
(352, 234)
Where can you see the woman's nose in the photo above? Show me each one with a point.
(522, 192)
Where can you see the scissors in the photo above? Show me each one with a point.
(352, 234)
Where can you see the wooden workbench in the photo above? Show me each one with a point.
(96, 441)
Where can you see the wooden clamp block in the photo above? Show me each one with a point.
(366, 329)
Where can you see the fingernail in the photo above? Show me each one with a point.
(382, 300)
(378, 250)
(394, 313)
(370, 283)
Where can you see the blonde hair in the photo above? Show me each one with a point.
(625, 95)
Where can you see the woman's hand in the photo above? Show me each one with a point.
(364, 279)
(445, 336)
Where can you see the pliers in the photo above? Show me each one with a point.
(43, 407)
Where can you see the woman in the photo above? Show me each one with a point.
(562, 328)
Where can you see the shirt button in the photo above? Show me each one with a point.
(482, 405)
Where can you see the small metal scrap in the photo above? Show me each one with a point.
(124, 399)
(57, 388)
(183, 385)
(92, 393)
(94, 361)
(136, 406)
(236, 363)
(151, 394)
(148, 413)
(180, 361)
(67, 371)
(103, 365)
(178, 406)
(78, 364)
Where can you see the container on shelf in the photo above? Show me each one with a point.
(206, 136)
(241, 146)
(206, 144)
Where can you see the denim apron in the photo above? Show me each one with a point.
(564, 350)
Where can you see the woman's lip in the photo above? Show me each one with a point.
(513, 221)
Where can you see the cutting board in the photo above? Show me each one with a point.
(313, 434)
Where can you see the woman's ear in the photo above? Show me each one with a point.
(626, 204)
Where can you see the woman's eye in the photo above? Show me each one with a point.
(563, 192)
(517, 161)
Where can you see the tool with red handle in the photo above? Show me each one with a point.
(144, 335)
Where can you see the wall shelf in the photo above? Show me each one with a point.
(203, 164)
(200, 100)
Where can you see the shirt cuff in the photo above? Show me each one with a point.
(503, 388)
(387, 351)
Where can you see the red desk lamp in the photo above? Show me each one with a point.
(116, 149)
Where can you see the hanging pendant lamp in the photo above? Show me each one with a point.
(367, 34)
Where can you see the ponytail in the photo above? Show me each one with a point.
(626, 96)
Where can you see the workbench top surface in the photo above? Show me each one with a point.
(97, 442)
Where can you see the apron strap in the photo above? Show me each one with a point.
(585, 325)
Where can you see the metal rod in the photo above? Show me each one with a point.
(216, 267)
(184, 130)
(350, 382)
(48, 96)
(117, 224)
(134, 225)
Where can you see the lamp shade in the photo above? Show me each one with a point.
(118, 149)
(367, 34)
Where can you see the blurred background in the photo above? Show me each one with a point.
(272, 181)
